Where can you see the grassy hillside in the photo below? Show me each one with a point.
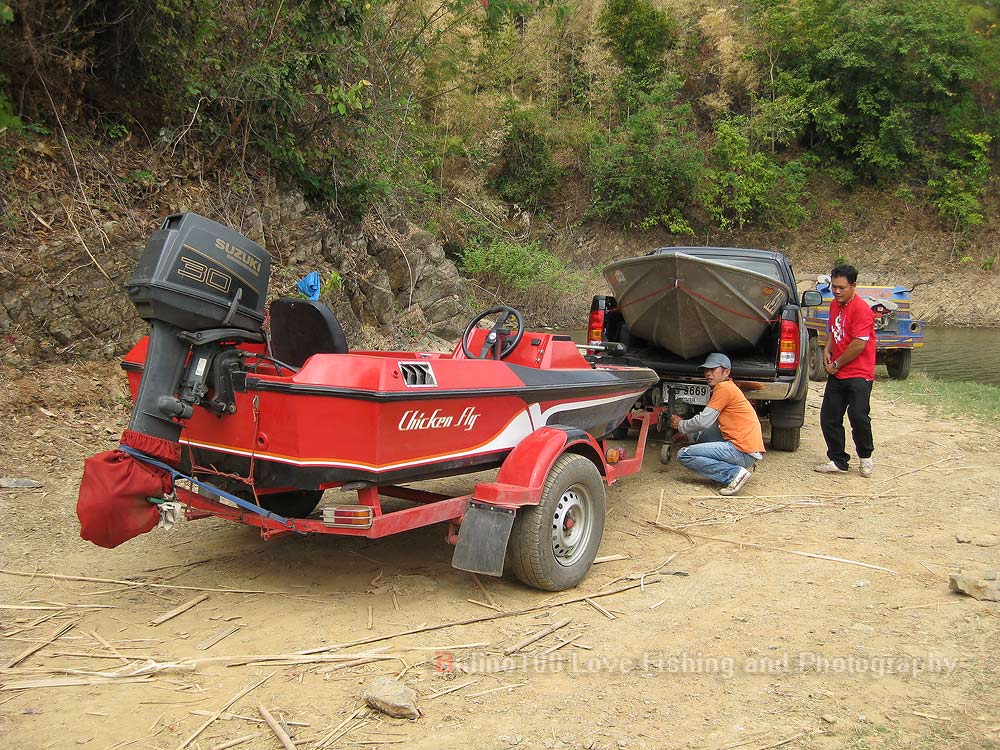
(537, 139)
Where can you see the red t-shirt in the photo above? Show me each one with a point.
(853, 321)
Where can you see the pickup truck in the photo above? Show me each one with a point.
(896, 333)
(773, 375)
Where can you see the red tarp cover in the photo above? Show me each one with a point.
(112, 506)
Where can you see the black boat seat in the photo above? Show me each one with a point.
(301, 328)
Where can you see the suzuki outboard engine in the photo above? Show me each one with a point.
(198, 283)
(202, 288)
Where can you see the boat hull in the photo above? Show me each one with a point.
(353, 417)
(692, 306)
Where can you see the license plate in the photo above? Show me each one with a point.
(689, 393)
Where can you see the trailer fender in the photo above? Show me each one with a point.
(522, 475)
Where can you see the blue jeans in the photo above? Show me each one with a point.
(714, 457)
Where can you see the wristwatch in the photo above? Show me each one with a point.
(836, 364)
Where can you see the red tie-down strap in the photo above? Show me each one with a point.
(113, 506)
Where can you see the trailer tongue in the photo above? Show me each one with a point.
(274, 420)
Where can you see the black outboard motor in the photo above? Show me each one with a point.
(201, 287)
(197, 283)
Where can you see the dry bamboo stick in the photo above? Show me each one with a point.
(487, 618)
(180, 609)
(38, 646)
(59, 577)
(775, 549)
(561, 644)
(432, 696)
(55, 607)
(328, 738)
(600, 609)
(496, 690)
(233, 743)
(213, 639)
(484, 604)
(489, 597)
(109, 647)
(537, 636)
(610, 558)
(70, 682)
(280, 733)
(222, 710)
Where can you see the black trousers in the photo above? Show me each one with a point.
(853, 396)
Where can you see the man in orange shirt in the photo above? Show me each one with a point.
(726, 435)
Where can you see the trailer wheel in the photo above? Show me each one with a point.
(553, 544)
(816, 370)
(666, 453)
(898, 364)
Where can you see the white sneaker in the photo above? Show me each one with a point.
(829, 468)
(737, 484)
(867, 467)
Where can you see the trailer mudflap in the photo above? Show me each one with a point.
(482, 539)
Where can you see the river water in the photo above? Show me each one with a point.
(971, 354)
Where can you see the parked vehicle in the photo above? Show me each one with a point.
(896, 333)
(275, 418)
(771, 371)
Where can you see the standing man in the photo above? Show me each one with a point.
(849, 359)
(726, 435)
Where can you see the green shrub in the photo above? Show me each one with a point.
(526, 171)
(746, 186)
(645, 171)
(638, 35)
(522, 265)
(957, 186)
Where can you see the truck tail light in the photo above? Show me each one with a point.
(595, 324)
(788, 346)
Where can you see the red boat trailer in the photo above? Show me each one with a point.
(520, 483)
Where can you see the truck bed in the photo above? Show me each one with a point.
(748, 365)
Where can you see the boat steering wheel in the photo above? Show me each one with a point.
(496, 332)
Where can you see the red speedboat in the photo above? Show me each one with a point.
(273, 419)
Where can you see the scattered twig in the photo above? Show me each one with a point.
(55, 682)
(783, 742)
(280, 733)
(432, 696)
(537, 636)
(489, 597)
(181, 609)
(496, 690)
(224, 708)
(775, 549)
(38, 646)
(109, 647)
(213, 639)
(58, 577)
(560, 645)
(610, 558)
(233, 743)
(913, 471)
(484, 604)
(600, 609)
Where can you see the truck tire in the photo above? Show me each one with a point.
(817, 372)
(786, 438)
(553, 544)
(898, 364)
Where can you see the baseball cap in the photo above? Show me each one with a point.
(716, 360)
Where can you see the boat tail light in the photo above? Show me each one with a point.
(348, 516)
(788, 346)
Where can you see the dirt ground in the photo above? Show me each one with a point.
(752, 647)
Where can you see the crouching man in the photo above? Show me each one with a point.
(726, 437)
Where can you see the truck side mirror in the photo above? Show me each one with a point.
(811, 298)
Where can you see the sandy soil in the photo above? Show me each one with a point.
(751, 648)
